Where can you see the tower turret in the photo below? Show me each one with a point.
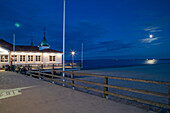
(32, 44)
(44, 44)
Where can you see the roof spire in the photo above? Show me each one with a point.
(44, 31)
(44, 41)
(32, 44)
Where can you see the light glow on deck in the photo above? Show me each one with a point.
(6, 93)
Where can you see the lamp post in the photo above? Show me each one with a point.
(81, 56)
(64, 41)
(72, 53)
(14, 49)
(17, 25)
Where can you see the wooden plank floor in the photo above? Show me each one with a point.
(46, 97)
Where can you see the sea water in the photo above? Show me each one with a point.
(149, 69)
(107, 63)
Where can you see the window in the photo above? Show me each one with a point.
(30, 58)
(38, 58)
(52, 58)
(4, 58)
(22, 58)
(14, 56)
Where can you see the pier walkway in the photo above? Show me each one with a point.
(24, 94)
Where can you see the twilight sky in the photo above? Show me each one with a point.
(109, 29)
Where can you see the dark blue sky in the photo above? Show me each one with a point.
(108, 28)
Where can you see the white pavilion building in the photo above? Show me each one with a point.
(28, 54)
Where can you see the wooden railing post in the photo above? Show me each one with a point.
(43, 76)
(30, 71)
(68, 75)
(105, 88)
(52, 72)
(41, 66)
(72, 81)
(39, 74)
(63, 79)
(30, 74)
(53, 67)
(169, 98)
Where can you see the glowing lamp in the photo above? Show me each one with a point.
(73, 53)
(17, 25)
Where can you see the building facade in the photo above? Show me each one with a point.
(28, 54)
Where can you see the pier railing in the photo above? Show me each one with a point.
(55, 74)
(46, 66)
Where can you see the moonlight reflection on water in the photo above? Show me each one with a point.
(153, 61)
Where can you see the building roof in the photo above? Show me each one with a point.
(9, 46)
(50, 50)
(26, 48)
(6, 44)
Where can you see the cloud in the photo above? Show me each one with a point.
(93, 35)
(156, 44)
(152, 29)
(113, 45)
(149, 40)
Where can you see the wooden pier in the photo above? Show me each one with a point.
(54, 75)
(44, 97)
(106, 85)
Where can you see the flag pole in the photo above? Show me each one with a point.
(64, 42)
(14, 47)
(82, 55)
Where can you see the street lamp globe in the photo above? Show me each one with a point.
(73, 53)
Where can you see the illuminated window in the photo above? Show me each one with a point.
(4, 58)
(22, 58)
(14, 56)
(52, 58)
(38, 58)
(30, 58)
